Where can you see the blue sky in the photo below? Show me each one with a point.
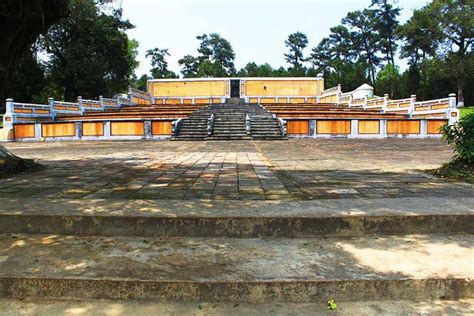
(257, 29)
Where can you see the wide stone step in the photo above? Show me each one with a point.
(237, 270)
(234, 218)
(53, 307)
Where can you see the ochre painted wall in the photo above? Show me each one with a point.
(333, 127)
(298, 127)
(403, 127)
(283, 87)
(187, 88)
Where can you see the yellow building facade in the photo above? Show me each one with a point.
(253, 90)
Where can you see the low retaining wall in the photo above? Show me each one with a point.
(365, 128)
(93, 130)
(139, 129)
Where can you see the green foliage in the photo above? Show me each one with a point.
(216, 58)
(90, 53)
(461, 136)
(159, 64)
(466, 111)
(296, 44)
(387, 79)
(27, 81)
(385, 24)
(140, 83)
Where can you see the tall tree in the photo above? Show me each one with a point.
(218, 50)
(365, 39)
(90, 53)
(27, 80)
(385, 24)
(190, 66)
(216, 58)
(296, 44)
(21, 22)
(159, 64)
(456, 20)
(420, 38)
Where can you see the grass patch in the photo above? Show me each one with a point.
(466, 111)
(1, 120)
(456, 169)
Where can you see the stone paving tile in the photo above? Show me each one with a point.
(300, 169)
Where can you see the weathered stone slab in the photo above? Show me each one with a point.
(238, 270)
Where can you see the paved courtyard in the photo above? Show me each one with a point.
(297, 169)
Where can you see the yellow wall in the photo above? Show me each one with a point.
(187, 88)
(283, 87)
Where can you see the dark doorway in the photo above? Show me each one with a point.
(235, 88)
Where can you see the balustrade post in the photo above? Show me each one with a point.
(130, 95)
(338, 94)
(79, 101)
(101, 100)
(452, 100)
(51, 107)
(10, 114)
(385, 102)
(452, 108)
(412, 105)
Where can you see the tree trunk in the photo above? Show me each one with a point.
(21, 22)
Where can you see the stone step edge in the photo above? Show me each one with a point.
(235, 226)
(238, 291)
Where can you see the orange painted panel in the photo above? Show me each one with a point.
(267, 100)
(253, 100)
(24, 131)
(58, 130)
(439, 106)
(93, 129)
(435, 125)
(333, 127)
(403, 127)
(422, 108)
(311, 100)
(127, 128)
(369, 127)
(296, 100)
(23, 110)
(158, 101)
(282, 100)
(42, 111)
(201, 101)
(216, 100)
(298, 127)
(161, 128)
(173, 101)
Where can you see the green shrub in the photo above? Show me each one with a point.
(461, 136)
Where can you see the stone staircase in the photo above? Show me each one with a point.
(230, 123)
(201, 251)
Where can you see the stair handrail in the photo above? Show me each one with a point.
(176, 125)
(247, 123)
(210, 124)
(282, 125)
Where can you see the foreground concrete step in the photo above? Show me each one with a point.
(233, 218)
(414, 267)
(14, 307)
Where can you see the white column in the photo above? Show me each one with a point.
(383, 128)
(354, 129)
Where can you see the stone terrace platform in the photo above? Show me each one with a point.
(246, 170)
